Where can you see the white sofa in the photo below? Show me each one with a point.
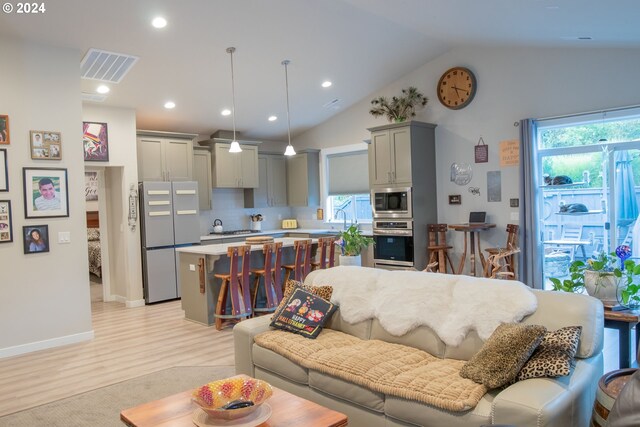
(562, 402)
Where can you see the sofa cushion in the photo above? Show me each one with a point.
(270, 361)
(554, 357)
(291, 285)
(422, 338)
(503, 354)
(346, 390)
(304, 313)
(361, 330)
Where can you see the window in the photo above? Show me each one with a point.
(356, 207)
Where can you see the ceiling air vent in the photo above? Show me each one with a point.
(334, 104)
(93, 97)
(106, 66)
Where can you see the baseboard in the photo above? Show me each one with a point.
(43, 345)
(134, 303)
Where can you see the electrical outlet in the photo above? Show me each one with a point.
(279, 216)
(515, 216)
(192, 267)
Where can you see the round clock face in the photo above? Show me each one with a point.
(457, 88)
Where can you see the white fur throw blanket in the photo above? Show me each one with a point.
(451, 305)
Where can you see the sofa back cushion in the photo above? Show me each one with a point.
(423, 338)
(361, 330)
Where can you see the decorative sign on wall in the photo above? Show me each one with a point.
(481, 152)
(494, 186)
(461, 173)
(455, 199)
(510, 152)
(91, 186)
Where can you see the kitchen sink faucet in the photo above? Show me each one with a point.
(344, 215)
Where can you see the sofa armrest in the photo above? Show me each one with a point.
(243, 334)
(557, 402)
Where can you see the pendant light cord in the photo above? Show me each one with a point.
(286, 82)
(230, 50)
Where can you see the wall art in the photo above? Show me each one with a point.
(455, 199)
(35, 238)
(4, 129)
(461, 173)
(95, 141)
(494, 186)
(4, 172)
(45, 145)
(481, 151)
(6, 228)
(46, 192)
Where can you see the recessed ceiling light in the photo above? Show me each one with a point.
(159, 22)
(169, 105)
(326, 83)
(103, 89)
(226, 112)
(273, 118)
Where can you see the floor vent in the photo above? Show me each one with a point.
(93, 97)
(334, 104)
(106, 66)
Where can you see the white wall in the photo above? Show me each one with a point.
(513, 83)
(44, 298)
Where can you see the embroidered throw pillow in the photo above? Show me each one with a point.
(554, 357)
(503, 355)
(291, 285)
(303, 313)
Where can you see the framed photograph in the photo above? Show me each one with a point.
(6, 229)
(46, 192)
(35, 238)
(95, 142)
(4, 171)
(45, 145)
(4, 129)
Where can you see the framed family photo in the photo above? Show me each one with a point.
(46, 192)
(6, 229)
(4, 129)
(45, 145)
(4, 174)
(35, 238)
(95, 142)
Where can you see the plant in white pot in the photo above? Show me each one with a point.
(352, 242)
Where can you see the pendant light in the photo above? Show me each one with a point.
(235, 146)
(289, 151)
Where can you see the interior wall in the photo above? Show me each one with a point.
(513, 83)
(44, 297)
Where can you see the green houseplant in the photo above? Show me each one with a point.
(399, 108)
(352, 242)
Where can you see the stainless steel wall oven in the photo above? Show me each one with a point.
(394, 243)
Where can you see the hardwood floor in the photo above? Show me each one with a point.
(129, 342)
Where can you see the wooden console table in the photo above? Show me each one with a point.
(471, 230)
(624, 321)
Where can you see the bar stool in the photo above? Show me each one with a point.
(325, 244)
(438, 249)
(271, 274)
(302, 265)
(237, 284)
(511, 245)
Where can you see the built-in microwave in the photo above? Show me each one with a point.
(392, 202)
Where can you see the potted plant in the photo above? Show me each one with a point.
(399, 108)
(629, 294)
(352, 242)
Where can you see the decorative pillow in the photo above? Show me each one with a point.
(93, 234)
(503, 354)
(554, 357)
(291, 285)
(303, 313)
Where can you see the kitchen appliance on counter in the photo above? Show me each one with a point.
(289, 223)
(169, 219)
(394, 244)
(392, 202)
(217, 226)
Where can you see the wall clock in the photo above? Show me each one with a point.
(457, 87)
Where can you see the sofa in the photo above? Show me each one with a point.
(562, 401)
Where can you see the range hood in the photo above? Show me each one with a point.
(225, 136)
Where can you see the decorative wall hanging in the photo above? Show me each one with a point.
(6, 229)
(514, 203)
(4, 129)
(91, 186)
(35, 238)
(474, 190)
(95, 141)
(461, 173)
(481, 151)
(494, 186)
(46, 192)
(455, 199)
(4, 173)
(510, 152)
(45, 145)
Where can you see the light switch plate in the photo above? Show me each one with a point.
(64, 237)
(515, 216)
(192, 267)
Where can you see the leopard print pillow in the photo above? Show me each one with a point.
(323, 292)
(555, 355)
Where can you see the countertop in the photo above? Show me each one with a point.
(221, 248)
(327, 231)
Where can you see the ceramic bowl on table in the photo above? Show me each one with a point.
(214, 396)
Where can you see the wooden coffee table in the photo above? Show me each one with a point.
(288, 411)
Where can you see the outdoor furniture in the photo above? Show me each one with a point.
(570, 240)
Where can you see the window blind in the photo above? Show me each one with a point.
(348, 173)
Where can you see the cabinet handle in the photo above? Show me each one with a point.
(388, 176)
(168, 176)
(393, 175)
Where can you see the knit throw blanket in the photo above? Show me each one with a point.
(391, 369)
(451, 305)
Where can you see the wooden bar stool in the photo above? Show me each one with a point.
(237, 285)
(438, 249)
(511, 246)
(325, 244)
(271, 274)
(302, 265)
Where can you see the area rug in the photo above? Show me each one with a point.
(101, 407)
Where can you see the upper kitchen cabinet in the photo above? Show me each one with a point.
(235, 170)
(272, 191)
(399, 151)
(202, 175)
(165, 156)
(303, 181)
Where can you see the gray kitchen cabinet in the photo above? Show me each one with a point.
(303, 181)
(393, 152)
(165, 156)
(202, 175)
(235, 170)
(272, 178)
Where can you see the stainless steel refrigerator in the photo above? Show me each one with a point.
(169, 219)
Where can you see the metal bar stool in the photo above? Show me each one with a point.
(271, 274)
(302, 265)
(438, 249)
(325, 244)
(238, 286)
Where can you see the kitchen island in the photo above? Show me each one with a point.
(199, 289)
